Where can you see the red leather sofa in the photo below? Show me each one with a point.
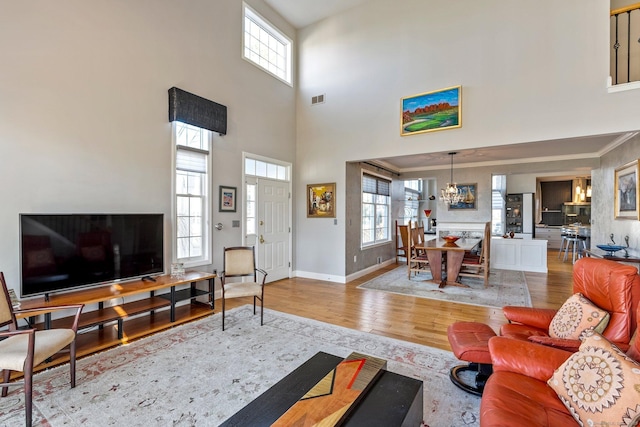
(517, 392)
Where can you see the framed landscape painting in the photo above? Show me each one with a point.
(321, 200)
(431, 111)
(469, 197)
(626, 191)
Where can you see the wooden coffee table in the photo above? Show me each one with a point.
(393, 400)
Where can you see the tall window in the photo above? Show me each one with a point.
(375, 210)
(498, 201)
(266, 46)
(412, 196)
(192, 194)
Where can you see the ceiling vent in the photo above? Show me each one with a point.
(319, 99)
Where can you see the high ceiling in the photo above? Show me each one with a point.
(301, 13)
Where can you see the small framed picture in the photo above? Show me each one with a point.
(227, 199)
(626, 191)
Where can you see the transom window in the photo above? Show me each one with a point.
(192, 193)
(266, 46)
(375, 210)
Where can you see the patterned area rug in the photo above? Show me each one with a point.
(197, 375)
(506, 287)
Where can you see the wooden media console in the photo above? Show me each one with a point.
(119, 321)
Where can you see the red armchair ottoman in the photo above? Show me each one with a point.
(470, 342)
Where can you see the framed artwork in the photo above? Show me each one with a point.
(321, 200)
(469, 197)
(626, 191)
(227, 199)
(431, 111)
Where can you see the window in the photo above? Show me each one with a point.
(412, 194)
(265, 46)
(251, 208)
(192, 194)
(375, 210)
(498, 200)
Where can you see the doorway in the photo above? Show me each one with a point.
(267, 214)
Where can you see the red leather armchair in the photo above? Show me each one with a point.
(517, 392)
(612, 286)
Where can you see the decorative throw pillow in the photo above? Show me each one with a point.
(575, 316)
(599, 385)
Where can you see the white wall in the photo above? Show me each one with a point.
(83, 106)
(530, 70)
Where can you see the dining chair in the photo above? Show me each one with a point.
(418, 261)
(23, 349)
(240, 262)
(477, 264)
(402, 242)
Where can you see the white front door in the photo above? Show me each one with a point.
(273, 228)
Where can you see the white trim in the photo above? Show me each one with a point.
(622, 87)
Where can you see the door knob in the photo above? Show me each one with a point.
(261, 239)
(261, 222)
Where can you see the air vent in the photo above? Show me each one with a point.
(319, 99)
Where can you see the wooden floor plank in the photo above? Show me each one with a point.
(407, 318)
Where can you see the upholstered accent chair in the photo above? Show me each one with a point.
(240, 262)
(22, 349)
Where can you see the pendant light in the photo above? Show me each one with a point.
(452, 194)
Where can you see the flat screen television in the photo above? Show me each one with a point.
(67, 251)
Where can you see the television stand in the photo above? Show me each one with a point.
(114, 321)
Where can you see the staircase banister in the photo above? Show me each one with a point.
(628, 8)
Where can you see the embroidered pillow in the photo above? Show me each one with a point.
(599, 384)
(575, 316)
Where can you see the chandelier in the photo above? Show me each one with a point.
(452, 194)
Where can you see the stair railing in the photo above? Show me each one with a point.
(625, 24)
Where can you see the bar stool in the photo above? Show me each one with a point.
(564, 242)
(577, 243)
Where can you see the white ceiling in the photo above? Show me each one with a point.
(301, 13)
(561, 149)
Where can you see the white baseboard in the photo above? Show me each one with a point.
(319, 276)
(371, 269)
(343, 279)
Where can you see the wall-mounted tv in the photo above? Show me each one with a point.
(67, 251)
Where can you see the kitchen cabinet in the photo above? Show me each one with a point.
(553, 236)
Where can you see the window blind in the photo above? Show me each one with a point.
(190, 160)
(374, 185)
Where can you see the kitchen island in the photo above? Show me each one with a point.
(519, 254)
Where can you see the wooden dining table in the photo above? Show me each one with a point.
(455, 255)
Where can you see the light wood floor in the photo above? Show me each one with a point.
(408, 318)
